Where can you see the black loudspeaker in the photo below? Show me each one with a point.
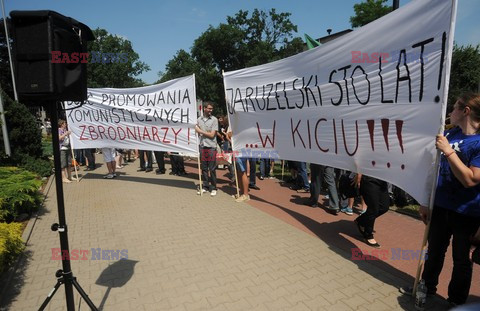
(45, 45)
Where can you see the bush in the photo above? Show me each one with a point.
(47, 146)
(25, 140)
(19, 193)
(23, 131)
(11, 244)
(40, 166)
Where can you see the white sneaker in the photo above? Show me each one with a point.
(108, 176)
(213, 193)
(243, 198)
(203, 191)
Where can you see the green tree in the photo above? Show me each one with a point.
(25, 135)
(245, 40)
(117, 74)
(25, 139)
(465, 72)
(182, 64)
(369, 11)
(218, 48)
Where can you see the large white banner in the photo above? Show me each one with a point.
(159, 117)
(370, 101)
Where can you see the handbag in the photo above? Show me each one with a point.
(66, 143)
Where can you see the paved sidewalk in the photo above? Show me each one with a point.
(187, 252)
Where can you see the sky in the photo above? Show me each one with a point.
(158, 29)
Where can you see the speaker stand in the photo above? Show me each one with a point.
(64, 276)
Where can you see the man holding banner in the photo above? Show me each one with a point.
(207, 126)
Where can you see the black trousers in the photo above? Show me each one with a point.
(80, 156)
(252, 180)
(208, 158)
(141, 154)
(90, 155)
(375, 194)
(160, 157)
(445, 224)
(178, 164)
(316, 182)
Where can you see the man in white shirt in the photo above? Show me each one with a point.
(207, 126)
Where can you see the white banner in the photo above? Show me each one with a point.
(370, 101)
(159, 117)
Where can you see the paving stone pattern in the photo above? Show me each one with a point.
(187, 252)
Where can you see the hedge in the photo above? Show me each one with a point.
(19, 193)
(11, 244)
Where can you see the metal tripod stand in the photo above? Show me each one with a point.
(64, 276)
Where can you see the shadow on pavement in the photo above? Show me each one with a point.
(114, 276)
(157, 180)
(331, 233)
(13, 280)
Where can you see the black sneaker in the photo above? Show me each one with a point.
(148, 170)
(253, 187)
(310, 203)
(332, 211)
(452, 304)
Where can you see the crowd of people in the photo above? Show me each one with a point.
(456, 210)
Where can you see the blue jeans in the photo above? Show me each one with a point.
(209, 165)
(265, 167)
(302, 173)
(329, 177)
(253, 170)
